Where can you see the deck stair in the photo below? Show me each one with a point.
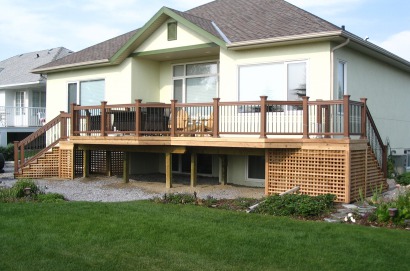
(47, 165)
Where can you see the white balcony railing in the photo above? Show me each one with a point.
(11, 116)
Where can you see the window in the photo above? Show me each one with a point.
(194, 83)
(39, 99)
(278, 81)
(341, 80)
(172, 31)
(407, 152)
(86, 92)
(256, 167)
(20, 102)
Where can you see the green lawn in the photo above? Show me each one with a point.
(149, 236)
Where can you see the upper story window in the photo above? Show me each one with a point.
(278, 81)
(172, 30)
(341, 80)
(196, 82)
(86, 92)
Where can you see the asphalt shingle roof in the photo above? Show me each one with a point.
(239, 20)
(17, 69)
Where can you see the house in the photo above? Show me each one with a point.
(23, 94)
(257, 93)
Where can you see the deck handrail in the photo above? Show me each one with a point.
(38, 143)
(376, 142)
(264, 118)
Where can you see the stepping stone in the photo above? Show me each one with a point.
(331, 220)
(338, 215)
(350, 206)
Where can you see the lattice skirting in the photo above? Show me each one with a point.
(98, 162)
(319, 172)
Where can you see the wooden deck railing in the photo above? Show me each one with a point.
(263, 118)
(342, 118)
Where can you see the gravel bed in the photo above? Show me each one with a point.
(140, 187)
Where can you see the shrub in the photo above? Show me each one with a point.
(50, 197)
(296, 205)
(20, 186)
(8, 152)
(402, 203)
(179, 198)
(403, 179)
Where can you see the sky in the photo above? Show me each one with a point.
(27, 25)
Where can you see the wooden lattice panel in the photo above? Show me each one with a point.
(98, 162)
(316, 172)
(359, 180)
(66, 164)
(117, 163)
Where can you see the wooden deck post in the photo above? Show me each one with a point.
(108, 165)
(86, 163)
(364, 118)
(173, 119)
(346, 116)
(63, 126)
(168, 170)
(102, 118)
(16, 157)
(215, 128)
(263, 117)
(305, 117)
(193, 169)
(138, 116)
(126, 167)
(223, 169)
(73, 119)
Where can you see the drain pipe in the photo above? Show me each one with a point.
(332, 66)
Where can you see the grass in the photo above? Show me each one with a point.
(148, 236)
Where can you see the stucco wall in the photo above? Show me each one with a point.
(117, 85)
(159, 39)
(316, 54)
(387, 90)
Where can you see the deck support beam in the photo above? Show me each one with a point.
(125, 170)
(86, 163)
(194, 169)
(223, 169)
(168, 170)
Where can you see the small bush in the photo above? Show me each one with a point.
(296, 205)
(20, 186)
(403, 179)
(179, 198)
(8, 152)
(50, 197)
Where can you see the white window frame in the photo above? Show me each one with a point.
(184, 77)
(407, 153)
(78, 90)
(285, 64)
(344, 63)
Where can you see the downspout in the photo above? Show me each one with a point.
(332, 66)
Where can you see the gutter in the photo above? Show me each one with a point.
(72, 66)
(332, 66)
(21, 84)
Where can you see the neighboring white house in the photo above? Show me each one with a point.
(237, 50)
(23, 93)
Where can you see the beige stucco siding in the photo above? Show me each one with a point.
(145, 80)
(387, 90)
(159, 39)
(117, 85)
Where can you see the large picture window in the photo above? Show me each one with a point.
(278, 81)
(195, 83)
(86, 92)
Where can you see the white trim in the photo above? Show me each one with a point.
(21, 84)
(184, 77)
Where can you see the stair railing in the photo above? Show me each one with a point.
(39, 142)
(376, 142)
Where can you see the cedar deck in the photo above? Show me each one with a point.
(321, 146)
